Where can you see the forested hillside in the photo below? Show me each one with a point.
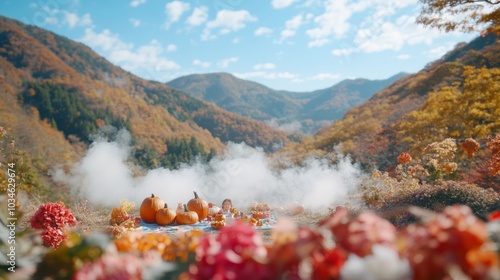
(453, 97)
(57, 93)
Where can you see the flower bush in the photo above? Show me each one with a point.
(52, 219)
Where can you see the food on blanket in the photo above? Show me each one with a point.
(218, 224)
(149, 207)
(165, 216)
(187, 217)
(198, 205)
(296, 208)
(212, 211)
(118, 215)
(261, 214)
(261, 206)
(220, 216)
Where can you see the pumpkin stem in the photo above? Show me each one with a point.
(165, 206)
(195, 195)
(185, 208)
(152, 195)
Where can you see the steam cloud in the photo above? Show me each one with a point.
(243, 174)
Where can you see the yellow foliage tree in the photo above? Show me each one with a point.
(470, 109)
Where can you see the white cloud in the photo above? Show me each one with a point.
(332, 23)
(199, 16)
(147, 57)
(171, 48)
(438, 52)
(135, 22)
(324, 76)
(267, 75)
(136, 3)
(174, 11)
(225, 62)
(343, 51)
(204, 64)
(74, 20)
(291, 27)
(394, 35)
(227, 21)
(104, 40)
(51, 20)
(261, 31)
(264, 66)
(280, 4)
(235, 41)
(403, 56)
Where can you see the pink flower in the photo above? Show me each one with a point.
(238, 252)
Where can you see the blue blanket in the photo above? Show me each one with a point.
(204, 225)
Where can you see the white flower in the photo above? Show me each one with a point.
(384, 264)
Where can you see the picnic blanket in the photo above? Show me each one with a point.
(204, 225)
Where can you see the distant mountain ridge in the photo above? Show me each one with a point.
(59, 86)
(256, 101)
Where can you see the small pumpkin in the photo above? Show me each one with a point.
(165, 216)
(198, 205)
(187, 217)
(212, 211)
(149, 207)
(220, 217)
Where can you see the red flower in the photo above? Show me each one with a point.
(52, 218)
(470, 146)
(494, 216)
(404, 158)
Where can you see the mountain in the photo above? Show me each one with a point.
(333, 102)
(452, 97)
(244, 97)
(251, 99)
(57, 93)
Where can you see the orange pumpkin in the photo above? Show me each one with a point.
(220, 217)
(165, 216)
(187, 217)
(198, 205)
(149, 207)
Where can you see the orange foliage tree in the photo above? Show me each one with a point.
(466, 15)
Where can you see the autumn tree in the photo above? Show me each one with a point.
(461, 15)
(471, 109)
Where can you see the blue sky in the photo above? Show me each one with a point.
(297, 45)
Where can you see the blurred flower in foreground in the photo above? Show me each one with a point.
(358, 235)
(117, 266)
(238, 252)
(450, 245)
(52, 218)
(384, 263)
